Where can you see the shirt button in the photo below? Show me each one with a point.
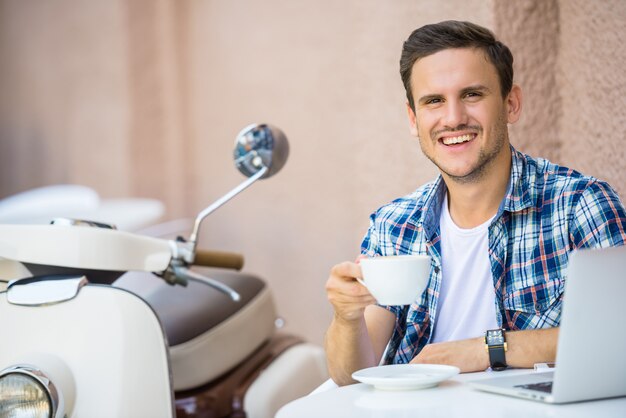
(400, 361)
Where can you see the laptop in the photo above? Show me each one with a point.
(591, 352)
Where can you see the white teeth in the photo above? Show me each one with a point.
(457, 139)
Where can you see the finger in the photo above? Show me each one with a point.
(353, 297)
(346, 270)
(352, 292)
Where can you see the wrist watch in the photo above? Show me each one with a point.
(495, 343)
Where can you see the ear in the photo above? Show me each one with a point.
(412, 120)
(514, 104)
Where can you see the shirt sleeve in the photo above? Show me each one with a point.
(369, 245)
(599, 218)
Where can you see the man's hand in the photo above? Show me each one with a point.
(359, 331)
(525, 348)
(468, 355)
(348, 297)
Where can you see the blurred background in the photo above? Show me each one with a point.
(144, 98)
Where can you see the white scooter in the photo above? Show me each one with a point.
(73, 345)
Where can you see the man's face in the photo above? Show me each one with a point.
(460, 116)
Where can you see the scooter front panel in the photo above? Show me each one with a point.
(110, 341)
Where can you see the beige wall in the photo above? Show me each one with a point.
(144, 98)
(592, 84)
(569, 60)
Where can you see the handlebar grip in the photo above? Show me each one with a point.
(209, 258)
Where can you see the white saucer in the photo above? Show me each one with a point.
(405, 376)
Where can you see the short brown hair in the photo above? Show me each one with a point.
(450, 34)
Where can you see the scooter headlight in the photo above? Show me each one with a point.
(27, 392)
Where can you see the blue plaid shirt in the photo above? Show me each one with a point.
(547, 212)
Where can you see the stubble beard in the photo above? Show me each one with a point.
(486, 157)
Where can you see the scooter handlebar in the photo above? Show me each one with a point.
(209, 258)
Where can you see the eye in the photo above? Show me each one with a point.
(472, 95)
(433, 101)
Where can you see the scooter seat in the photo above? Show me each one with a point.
(207, 332)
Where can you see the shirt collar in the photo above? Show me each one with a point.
(432, 206)
(516, 198)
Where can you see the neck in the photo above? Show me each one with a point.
(472, 204)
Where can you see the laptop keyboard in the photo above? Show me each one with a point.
(542, 387)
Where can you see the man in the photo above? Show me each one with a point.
(497, 224)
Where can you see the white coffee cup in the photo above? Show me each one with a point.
(395, 280)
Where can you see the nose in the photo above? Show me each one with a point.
(455, 114)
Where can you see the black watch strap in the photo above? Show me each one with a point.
(496, 346)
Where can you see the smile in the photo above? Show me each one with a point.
(452, 140)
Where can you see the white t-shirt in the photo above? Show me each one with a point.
(466, 306)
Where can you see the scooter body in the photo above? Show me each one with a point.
(81, 341)
(104, 350)
(141, 347)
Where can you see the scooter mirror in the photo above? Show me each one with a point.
(261, 150)
(261, 146)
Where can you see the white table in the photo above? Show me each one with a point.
(452, 398)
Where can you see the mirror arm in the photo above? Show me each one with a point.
(193, 239)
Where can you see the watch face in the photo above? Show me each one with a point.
(495, 337)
